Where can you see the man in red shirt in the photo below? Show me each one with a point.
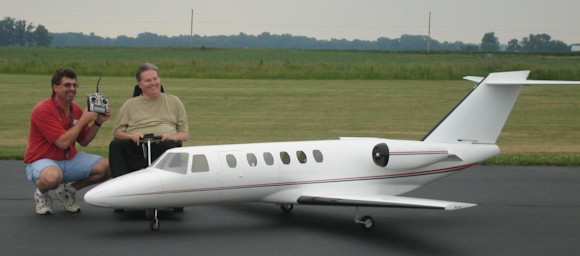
(56, 125)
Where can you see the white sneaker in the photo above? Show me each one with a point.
(68, 199)
(43, 204)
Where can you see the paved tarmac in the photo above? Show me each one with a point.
(521, 211)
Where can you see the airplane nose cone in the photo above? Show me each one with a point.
(108, 194)
(96, 197)
(92, 198)
(125, 192)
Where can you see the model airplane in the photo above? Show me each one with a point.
(358, 172)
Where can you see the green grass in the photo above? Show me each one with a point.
(544, 128)
(184, 62)
(534, 158)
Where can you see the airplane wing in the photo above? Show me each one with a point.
(381, 201)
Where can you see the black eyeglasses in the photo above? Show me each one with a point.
(68, 85)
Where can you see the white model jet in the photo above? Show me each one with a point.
(358, 172)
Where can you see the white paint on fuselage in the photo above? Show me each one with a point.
(346, 168)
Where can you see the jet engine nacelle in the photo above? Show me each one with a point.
(403, 155)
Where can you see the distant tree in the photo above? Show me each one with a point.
(7, 31)
(489, 42)
(514, 46)
(124, 40)
(387, 44)
(470, 47)
(535, 43)
(543, 43)
(150, 39)
(412, 42)
(21, 33)
(29, 35)
(559, 46)
(448, 46)
(41, 36)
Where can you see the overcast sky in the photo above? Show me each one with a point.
(451, 20)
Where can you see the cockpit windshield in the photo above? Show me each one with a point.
(173, 162)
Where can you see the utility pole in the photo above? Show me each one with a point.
(429, 35)
(191, 32)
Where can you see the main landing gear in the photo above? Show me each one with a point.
(366, 222)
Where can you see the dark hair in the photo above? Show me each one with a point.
(59, 73)
(144, 67)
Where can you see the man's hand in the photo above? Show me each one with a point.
(87, 117)
(136, 137)
(103, 118)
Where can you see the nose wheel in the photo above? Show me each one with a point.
(154, 225)
(155, 222)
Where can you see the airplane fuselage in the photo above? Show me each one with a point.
(281, 172)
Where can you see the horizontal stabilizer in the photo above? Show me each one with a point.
(532, 82)
(476, 79)
(381, 201)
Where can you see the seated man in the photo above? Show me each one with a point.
(153, 112)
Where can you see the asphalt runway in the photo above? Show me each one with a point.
(521, 211)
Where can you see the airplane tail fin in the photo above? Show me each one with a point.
(481, 115)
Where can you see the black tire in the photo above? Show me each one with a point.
(155, 225)
(367, 223)
(286, 208)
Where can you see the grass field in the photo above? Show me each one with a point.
(183, 62)
(544, 127)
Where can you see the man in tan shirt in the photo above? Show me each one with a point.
(153, 112)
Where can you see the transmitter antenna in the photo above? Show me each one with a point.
(98, 83)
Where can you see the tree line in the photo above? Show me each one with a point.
(264, 40)
(533, 44)
(490, 43)
(21, 33)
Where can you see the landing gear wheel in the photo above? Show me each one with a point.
(155, 225)
(286, 208)
(367, 223)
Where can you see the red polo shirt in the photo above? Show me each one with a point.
(47, 123)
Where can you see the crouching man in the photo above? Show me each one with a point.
(53, 162)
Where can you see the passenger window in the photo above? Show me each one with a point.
(231, 159)
(317, 155)
(252, 160)
(301, 157)
(199, 164)
(285, 157)
(268, 158)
